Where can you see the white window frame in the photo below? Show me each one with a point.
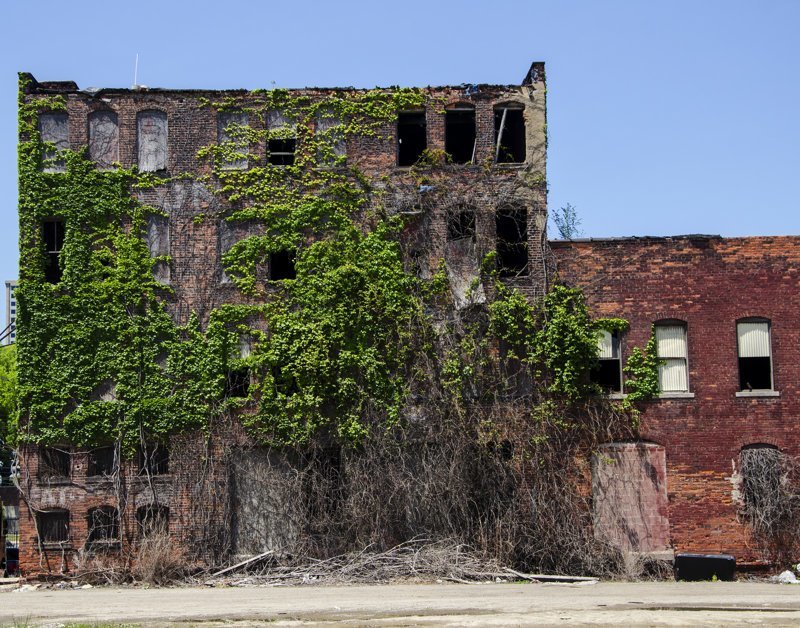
(665, 360)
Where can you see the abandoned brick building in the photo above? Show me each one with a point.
(466, 166)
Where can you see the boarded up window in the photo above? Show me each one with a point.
(629, 496)
(158, 245)
(53, 526)
(330, 138)
(755, 355)
(54, 130)
(152, 140)
(232, 134)
(103, 138)
(673, 371)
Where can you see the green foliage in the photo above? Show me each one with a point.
(642, 366)
(8, 394)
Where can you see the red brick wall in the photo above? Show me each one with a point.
(708, 282)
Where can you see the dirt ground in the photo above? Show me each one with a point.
(528, 604)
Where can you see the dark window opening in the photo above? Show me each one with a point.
(459, 135)
(509, 134)
(281, 152)
(103, 525)
(607, 373)
(54, 464)
(53, 526)
(512, 241)
(53, 237)
(154, 459)
(755, 374)
(281, 265)
(102, 461)
(461, 224)
(285, 384)
(412, 137)
(153, 520)
(237, 383)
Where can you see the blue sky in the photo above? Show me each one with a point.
(664, 117)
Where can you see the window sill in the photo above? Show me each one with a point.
(676, 395)
(617, 396)
(54, 481)
(757, 393)
(515, 165)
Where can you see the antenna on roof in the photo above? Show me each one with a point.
(136, 75)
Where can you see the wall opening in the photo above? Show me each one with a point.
(53, 526)
(53, 236)
(512, 241)
(459, 134)
(607, 374)
(281, 265)
(461, 224)
(755, 354)
(102, 461)
(103, 526)
(54, 464)
(282, 147)
(152, 519)
(412, 137)
(237, 382)
(154, 459)
(509, 134)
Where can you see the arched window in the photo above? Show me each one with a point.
(103, 138)
(103, 525)
(151, 127)
(509, 133)
(673, 354)
(459, 133)
(755, 354)
(152, 519)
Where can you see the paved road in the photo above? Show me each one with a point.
(417, 605)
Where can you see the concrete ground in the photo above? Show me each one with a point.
(645, 604)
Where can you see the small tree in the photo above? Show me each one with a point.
(567, 222)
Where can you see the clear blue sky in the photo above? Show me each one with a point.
(680, 116)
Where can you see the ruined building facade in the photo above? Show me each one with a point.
(465, 167)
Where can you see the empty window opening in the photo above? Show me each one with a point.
(153, 520)
(412, 137)
(102, 461)
(323, 482)
(755, 355)
(607, 374)
(461, 224)
(671, 348)
(54, 464)
(103, 525)
(232, 134)
(512, 241)
(53, 237)
(237, 382)
(509, 134)
(281, 265)
(103, 138)
(459, 134)
(285, 382)
(282, 147)
(53, 526)
(154, 459)
(54, 130)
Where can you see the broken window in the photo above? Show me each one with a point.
(608, 372)
(102, 461)
(755, 356)
(232, 132)
(153, 519)
(54, 464)
(461, 224)
(283, 141)
(152, 140)
(459, 134)
(53, 237)
(412, 137)
(512, 241)
(237, 382)
(671, 348)
(103, 525)
(154, 459)
(53, 526)
(103, 138)
(509, 134)
(54, 130)
(281, 265)
(330, 132)
(285, 383)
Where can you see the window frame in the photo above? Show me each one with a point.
(755, 392)
(673, 322)
(54, 512)
(499, 127)
(616, 335)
